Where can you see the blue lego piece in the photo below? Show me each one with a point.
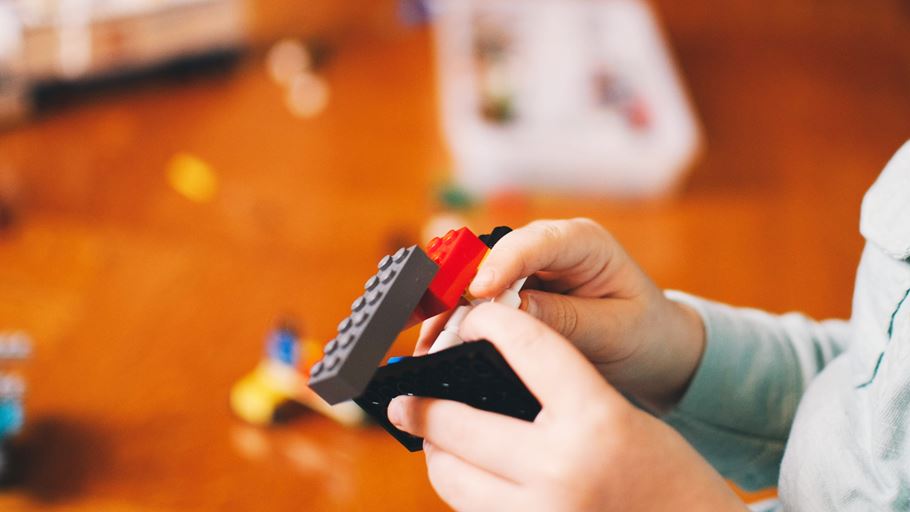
(396, 359)
(12, 417)
(283, 346)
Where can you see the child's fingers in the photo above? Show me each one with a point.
(475, 436)
(592, 325)
(429, 330)
(465, 487)
(552, 369)
(550, 245)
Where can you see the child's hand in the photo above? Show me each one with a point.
(588, 449)
(592, 293)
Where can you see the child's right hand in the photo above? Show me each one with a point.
(587, 449)
(589, 290)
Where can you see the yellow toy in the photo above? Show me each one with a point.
(279, 380)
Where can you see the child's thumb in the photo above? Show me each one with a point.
(586, 322)
(555, 310)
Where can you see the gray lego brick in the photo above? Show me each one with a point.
(377, 317)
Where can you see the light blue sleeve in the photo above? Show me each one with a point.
(741, 402)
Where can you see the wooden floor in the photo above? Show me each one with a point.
(145, 306)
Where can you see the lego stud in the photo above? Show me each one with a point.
(375, 319)
(331, 346)
(400, 255)
(317, 368)
(373, 297)
(387, 275)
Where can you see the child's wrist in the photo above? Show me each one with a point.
(692, 342)
(679, 350)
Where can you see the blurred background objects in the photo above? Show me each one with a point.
(578, 97)
(49, 46)
(176, 176)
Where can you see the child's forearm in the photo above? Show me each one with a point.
(739, 407)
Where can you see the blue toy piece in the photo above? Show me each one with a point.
(283, 346)
(12, 417)
(13, 346)
(396, 359)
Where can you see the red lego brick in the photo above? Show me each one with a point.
(458, 255)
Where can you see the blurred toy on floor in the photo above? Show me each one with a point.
(292, 64)
(452, 207)
(276, 388)
(15, 346)
(287, 58)
(307, 95)
(12, 418)
(191, 177)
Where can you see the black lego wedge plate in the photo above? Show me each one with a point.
(473, 373)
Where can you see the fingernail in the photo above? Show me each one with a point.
(484, 277)
(395, 413)
(528, 305)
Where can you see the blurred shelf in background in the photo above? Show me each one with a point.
(49, 48)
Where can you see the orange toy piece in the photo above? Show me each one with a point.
(458, 255)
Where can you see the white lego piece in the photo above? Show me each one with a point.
(449, 335)
(510, 296)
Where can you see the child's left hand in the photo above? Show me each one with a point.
(588, 449)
